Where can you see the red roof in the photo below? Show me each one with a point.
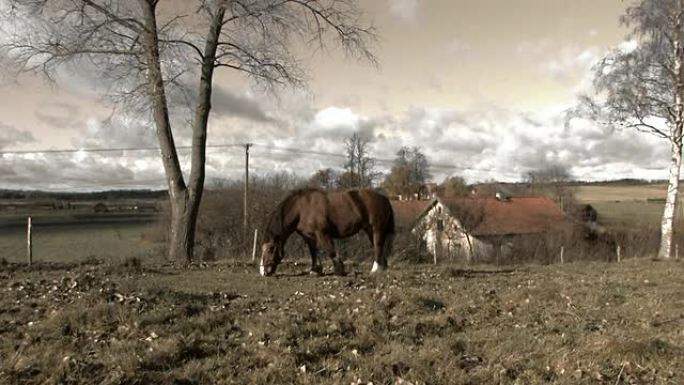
(519, 215)
(406, 213)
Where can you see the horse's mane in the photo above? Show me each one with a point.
(276, 222)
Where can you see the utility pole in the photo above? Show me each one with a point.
(246, 199)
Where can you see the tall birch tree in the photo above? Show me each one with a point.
(641, 86)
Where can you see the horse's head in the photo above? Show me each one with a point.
(271, 255)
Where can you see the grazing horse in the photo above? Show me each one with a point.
(319, 217)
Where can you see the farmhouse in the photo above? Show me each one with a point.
(482, 228)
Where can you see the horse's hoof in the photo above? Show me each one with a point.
(377, 268)
(315, 273)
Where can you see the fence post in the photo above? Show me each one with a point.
(29, 241)
(561, 254)
(676, 250)
(254, 246)
(619, 252)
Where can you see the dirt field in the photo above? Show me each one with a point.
(222, 324)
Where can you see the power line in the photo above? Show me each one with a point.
(380, 160)
(297, 151)
(433, 166)
(106, 149)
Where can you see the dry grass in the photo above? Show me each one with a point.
(137, 324)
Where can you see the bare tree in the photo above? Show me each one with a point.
(151, 51)
(409, 172)
(642, 88)
(420, 167)
(324, 179)
(398, 181)
(453, 186)
(360, 166)
(470, 213)
(552, 180)
(552, 173)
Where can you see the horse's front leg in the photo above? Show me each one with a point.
(316, 267)
(326, 243)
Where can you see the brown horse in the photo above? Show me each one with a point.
(319, 217)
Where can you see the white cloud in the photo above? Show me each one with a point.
(481, 143)
(336, 117)
(563, 63)
(459, 47)
(10, 136)
(534, 48)
(404, 9)
(490, 142)
(572, 65)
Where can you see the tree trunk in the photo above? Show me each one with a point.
(180, 246)
(471, 253)
(184, 200)
(182, 230)
(188, 218)
(667, 223)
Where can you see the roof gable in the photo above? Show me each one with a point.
(407, 213)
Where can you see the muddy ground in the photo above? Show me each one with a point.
(95, 323)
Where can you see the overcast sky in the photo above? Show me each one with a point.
(479, 85)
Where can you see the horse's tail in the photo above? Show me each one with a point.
(389, 227)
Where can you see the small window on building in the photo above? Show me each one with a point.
(440, 225)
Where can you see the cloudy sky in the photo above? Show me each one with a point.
(479, 85)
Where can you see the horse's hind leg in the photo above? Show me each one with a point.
(369, 233)
(316, 267)
(326, 243)
(382, 246)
